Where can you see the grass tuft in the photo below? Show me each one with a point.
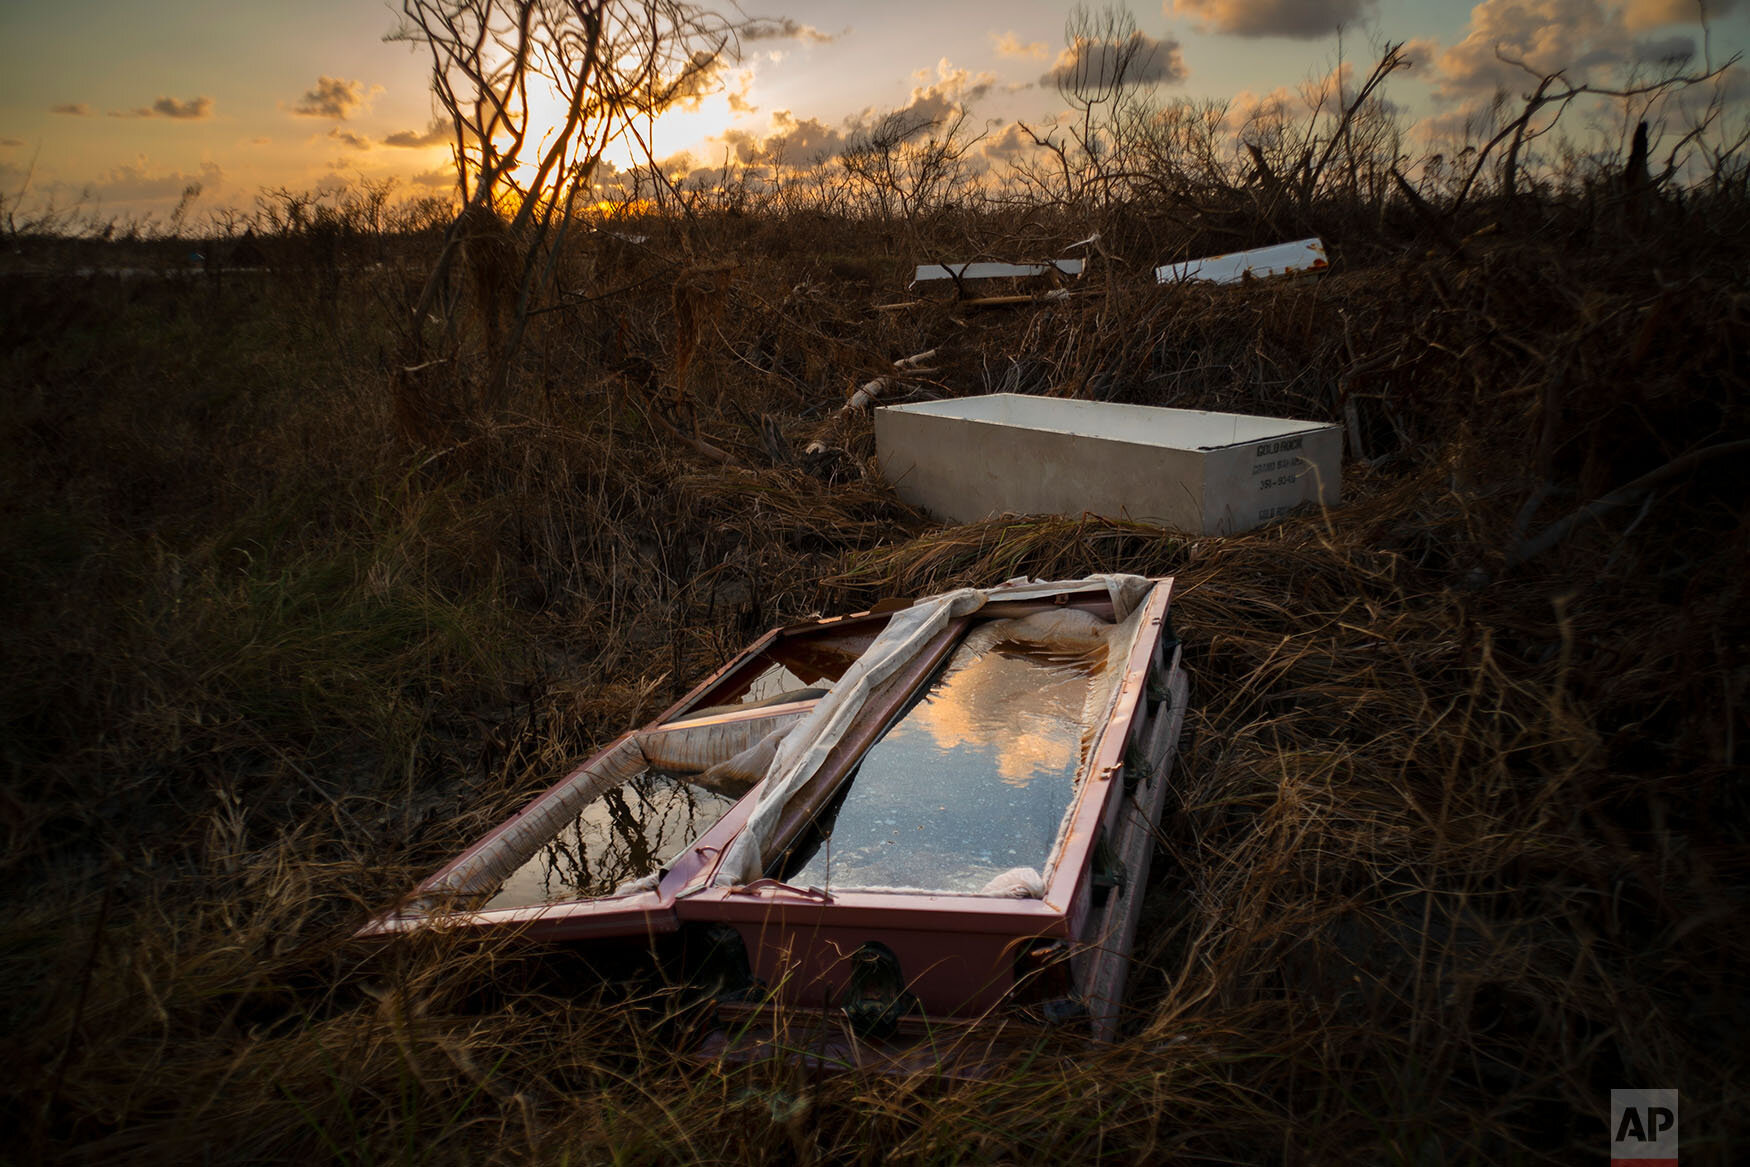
(1457, 841)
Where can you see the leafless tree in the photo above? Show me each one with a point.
(1106, 61)
(1555, 90)
(1107, 51)
(534, 92)
(1181, 147)
(908, 165)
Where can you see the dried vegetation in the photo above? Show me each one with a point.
(1459, 838)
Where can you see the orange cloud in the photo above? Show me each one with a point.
(1008, 44)
(738, 101)
(1034, 722)
(1546, 35)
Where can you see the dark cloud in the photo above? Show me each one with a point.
(194, 109)
(702, 77)
(10, 143)
(348, 138)
(77, 109)
(439, 132)
(1095, 64)
(609, 180)
(1297, 19)
(784, 30)
(1675, 49)
(438, 177)
(1576, 37)
(331, 97)
(1732, 88)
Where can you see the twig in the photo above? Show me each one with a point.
(1562, 528)
(696, 444)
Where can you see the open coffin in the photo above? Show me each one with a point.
(929, 812)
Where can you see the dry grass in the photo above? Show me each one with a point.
(1456, 847)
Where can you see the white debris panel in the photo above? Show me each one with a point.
(994, 271)
(1281, 259)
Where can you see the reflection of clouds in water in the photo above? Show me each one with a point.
(976, 777)
(1029, 707)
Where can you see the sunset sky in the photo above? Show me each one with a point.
(117, 105)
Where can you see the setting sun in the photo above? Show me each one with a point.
(125, 135)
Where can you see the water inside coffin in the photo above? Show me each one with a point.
(628, 833)
(973, 779)
(794, 667)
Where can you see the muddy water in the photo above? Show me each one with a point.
(973, 780)
(796, 666)
(626, 834)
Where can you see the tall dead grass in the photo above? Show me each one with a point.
(1456, 845)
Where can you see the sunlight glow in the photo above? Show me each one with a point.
(687, 128)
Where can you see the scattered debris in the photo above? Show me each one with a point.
(1213, 473)
(995, 271)
(871, 391)
(1048, 296)
(1282, 259)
